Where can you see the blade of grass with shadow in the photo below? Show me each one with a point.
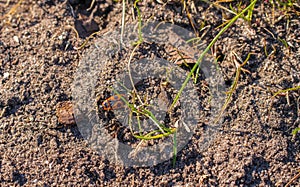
(197, 65)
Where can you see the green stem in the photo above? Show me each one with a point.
(205, 51)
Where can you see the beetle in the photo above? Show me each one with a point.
(113, 102)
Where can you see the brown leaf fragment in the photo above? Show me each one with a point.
(65, 113)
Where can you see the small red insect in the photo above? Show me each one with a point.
(114, 102)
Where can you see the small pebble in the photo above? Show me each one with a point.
(16, 39)
(5, 75)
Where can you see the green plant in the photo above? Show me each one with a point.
(295, 131)
(248, 16)
(196, 67)
(280, 92)
(233, 86)
(142, 110)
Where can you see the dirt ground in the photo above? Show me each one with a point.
(39, 58)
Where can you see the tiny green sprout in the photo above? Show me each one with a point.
(141, 110)
(295, 131)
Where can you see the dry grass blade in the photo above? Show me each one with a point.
(88, 38)
(91, 6)
(234, 85)
(12, 11)
(191, 20)
(293, 179)
(280, 93)
(286, 90)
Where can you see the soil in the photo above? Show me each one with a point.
(40, 55)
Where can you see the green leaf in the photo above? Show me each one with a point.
(295, 131)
